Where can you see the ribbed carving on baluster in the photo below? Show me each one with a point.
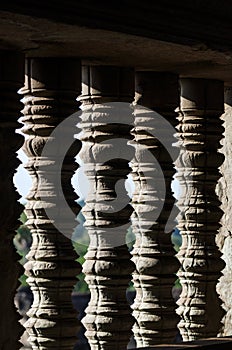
(50, 91)
(224, 238)
(11, 79)
(200, 131)
(153, 202)
(108, 319)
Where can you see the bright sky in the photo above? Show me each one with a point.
(80, 183)
(23, 180)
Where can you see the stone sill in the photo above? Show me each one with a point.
(222, 343)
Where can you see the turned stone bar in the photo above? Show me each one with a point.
(11, 79)
(224, 238)
(107, 92)
(200, 131)
(50, 91)
(156, 99)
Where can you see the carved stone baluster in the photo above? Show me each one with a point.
(50, 91)
(153, 253)
(200, 131)
(224, 238)
(108, 318)
(11, 79)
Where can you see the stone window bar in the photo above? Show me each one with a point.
(114, 143)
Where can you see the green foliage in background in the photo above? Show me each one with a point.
(22, 243)
(80, 241)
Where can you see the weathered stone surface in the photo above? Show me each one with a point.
(224, 238)
(108, 319)
(153, 202)
(50, 92)
(185, 37)
(200, 131)
(11, 79)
